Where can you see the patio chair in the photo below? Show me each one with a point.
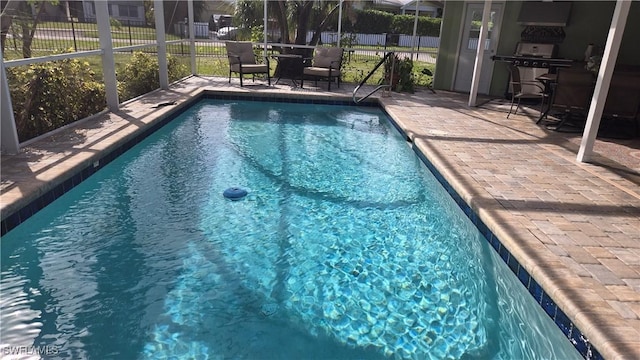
(572, 94)
(242, 60)
(325, 64)
(623, 101)
(524, 90)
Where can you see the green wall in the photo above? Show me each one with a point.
(509, 37)
(589, 23)
(449, 33)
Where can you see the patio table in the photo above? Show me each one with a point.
(290, 66)
(547, 81)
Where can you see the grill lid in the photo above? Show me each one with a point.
(536, 49)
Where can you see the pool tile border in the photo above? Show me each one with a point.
(566, 326)
(25, 212)
(562, 321)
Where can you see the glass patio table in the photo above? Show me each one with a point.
(290, 66)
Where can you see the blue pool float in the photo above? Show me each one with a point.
(234, 193)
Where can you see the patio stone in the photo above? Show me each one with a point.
(574, 226)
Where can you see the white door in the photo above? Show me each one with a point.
(469, 46)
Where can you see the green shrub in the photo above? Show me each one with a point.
(402, 79)
(373, 22)
(427, 26)
(142, 75)
(407, 80)
(379, 22)
(49, 95)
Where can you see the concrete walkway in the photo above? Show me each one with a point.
(574, 227)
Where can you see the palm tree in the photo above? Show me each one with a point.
(294, 19)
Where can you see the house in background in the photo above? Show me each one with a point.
(216, 9)
(587, 22)
(127, 11)
(425, 8)
(392, 6)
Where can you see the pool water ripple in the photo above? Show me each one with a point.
(345, 247)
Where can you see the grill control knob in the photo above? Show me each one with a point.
(516, 62)
(544, 64)
(535, 64)
(526, 63)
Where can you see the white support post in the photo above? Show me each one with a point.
(158, 10)
(339, 23)
(484, 30)
(618, 23)
(9, 142)
(108, 61)
(415, 30)
(192, 42)
(265, 22)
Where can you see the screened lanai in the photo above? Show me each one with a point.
(571, 227)
(197, 49)
(193, 35)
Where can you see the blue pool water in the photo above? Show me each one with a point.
(345, 247)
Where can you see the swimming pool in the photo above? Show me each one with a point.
(346, 247)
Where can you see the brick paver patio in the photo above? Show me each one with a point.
(574, 226)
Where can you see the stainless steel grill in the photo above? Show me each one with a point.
(534, 60)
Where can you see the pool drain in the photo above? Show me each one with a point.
(234, 193)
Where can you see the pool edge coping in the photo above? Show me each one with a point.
(553, 299)
(83, 168)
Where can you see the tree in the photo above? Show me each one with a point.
(22, 12)
(174, 11)
(294, 19)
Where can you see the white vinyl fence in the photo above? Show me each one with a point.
(329, 37)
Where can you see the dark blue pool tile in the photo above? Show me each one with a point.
(25, 213)
(524, 276)
(563, 322)
(35, 206)
(232, 97)
(87, 172)
(58, 191)
(84, 174)
(535, 290)
(580, 342)
(467, 210)
(12, 221)
(513, 264)
(548, 305)
(76, 179)
(67, 185)
(47, 198)
(494, 241)
(594, 354)
(110, 157)
(482, 227)
(457, 198)
(117, 152)
(504, 253)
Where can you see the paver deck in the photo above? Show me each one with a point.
(574, 226)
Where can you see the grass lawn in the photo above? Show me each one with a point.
(211, 60)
